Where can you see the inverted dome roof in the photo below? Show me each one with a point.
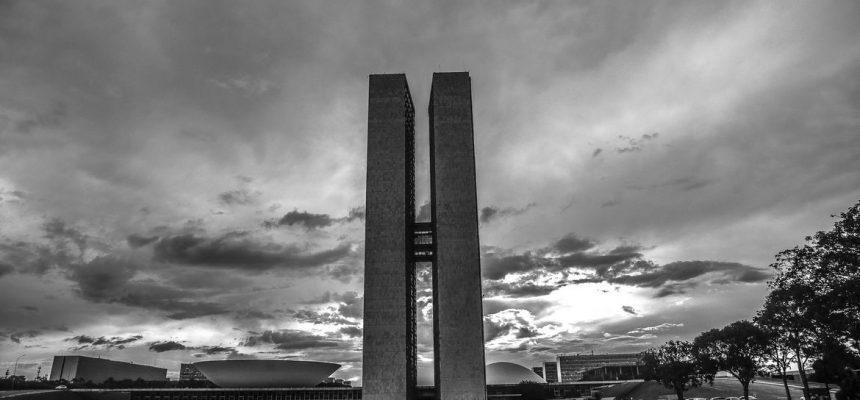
(504, 373)
(266, 373)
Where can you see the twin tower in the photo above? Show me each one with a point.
(394, 243)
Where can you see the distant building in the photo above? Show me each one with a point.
(337, 381)
(599, 367)
(538, 371)
(99, 370)
(550, 369)
(188, 372)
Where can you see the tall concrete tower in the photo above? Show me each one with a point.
(457, 313)
(389, 270)
(394, 243)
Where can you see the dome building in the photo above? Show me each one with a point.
(508, 373)
(266, 373)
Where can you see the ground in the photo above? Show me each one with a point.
(722, 387)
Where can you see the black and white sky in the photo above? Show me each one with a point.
(184, 180)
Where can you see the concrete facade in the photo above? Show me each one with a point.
(99, 370)
(389, 365)
(457, 308)
(394, 242)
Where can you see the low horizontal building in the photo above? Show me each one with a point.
(599, 367)
(99, 370)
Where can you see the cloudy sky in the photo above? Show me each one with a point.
(184, 181)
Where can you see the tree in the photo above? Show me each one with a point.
(779, 353)
(829, 265)
(674, 365)
(836, 366)
(785, 318)
(738, 348)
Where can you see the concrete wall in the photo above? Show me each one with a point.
(389, 276)
(457, 312)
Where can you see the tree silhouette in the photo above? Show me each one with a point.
(674, 365)
(785, 317)
(828, 266)
(738, 348)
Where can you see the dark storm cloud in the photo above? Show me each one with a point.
(351, 305)
(109, 280)
(17, 336)
(238, 250)
(134, 240)
(750, 275)
(508, 322)
(572, 243)
(211, 350)
(568, 252)
(254, 315)
(491, 213)
(493, 330)
(578, 260)
(356, 213)
(671, 289)
(62, 247)
(173, 301)
(289, 339)
(497, 267)
(103, 278)
(67, 245)
(89, 342)
(170, 345)
(522, 288)
(594, 260)
(202, 278)
(312, 221)
(348, 309)
(325, 318)
(57, 230)
(240, 197)
(351, 331)
(525, 332)
(160, 347)
(303, 218)
(349, 297)
(680, 271)
(5, 269)
(344, 272)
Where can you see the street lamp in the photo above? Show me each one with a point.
(15, 372)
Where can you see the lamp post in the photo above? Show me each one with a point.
(15, 372)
